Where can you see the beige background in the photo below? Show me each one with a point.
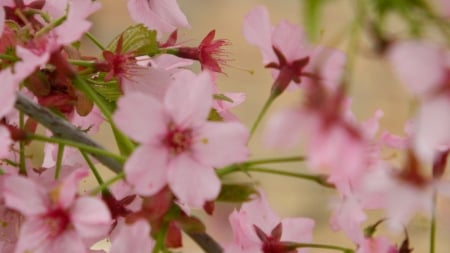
(373, 87)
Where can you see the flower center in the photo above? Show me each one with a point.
(56, 221)
(178, 140)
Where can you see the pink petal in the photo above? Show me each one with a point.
(69, 187)
(91, 218)
(297, 230)
(221, 143)
(149, 81)
(68, 242)
(189, 99)
(258, 212)
(133, 238)
(291, 41)
(285, 128)
(7, 92)
(76, 23)
(34, 236)
(432, 127)
(25, 196)
(192, 182)
(244, 236)
(5, 141)
(141, 117)
(257, 31)
(2, 19)
(146, 169)
(420, 66)
(156, 15)
(170, 11)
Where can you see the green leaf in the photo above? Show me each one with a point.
(137, 39)
(236, 193)
(222, 97)
(311, 14)
(214, 115)
(109, 91)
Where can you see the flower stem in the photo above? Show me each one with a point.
(323, 246)
(91, 165)
(95, 41)
(433, 223)
(315, 178)
(261, 114)
(50, 26)
(59, 158)
(104, 186)
(78, 145)
(276, 160)
(82, 63)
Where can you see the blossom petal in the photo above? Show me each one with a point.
(69, 187)
(90, 217)
(141, 117)
(146, 169)
(419, 66)
(221, 143)
(432, 127)
(257, 31)
(297, 230)
(189, 99)
(25, 196)
(133, 238)
(291, 41)
(192, 182)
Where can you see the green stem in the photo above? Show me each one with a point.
(51, 25)
(59, 158)
(22, 158)
(315, 178)
(104, 186)
(323, 246)
(91, 165)
(82, 63)
(95, 41)
(124, 144)
(75, 144)
(160, 238)
(261, 114)
(433, 223)
(276, 160)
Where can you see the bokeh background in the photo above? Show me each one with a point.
(373, 87)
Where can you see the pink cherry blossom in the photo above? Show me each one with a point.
(179, 147)
(285, 49)
(58, 220)
(257, 227)
(162, 16)
(425, 70)
(133, 238)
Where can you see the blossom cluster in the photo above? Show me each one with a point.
(178, 139)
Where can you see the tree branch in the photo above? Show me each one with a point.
(63, 129)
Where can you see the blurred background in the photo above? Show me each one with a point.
(373, 87)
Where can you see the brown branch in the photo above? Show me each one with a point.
(63, 129)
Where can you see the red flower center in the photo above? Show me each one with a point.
(178, 140)
(56, 222)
